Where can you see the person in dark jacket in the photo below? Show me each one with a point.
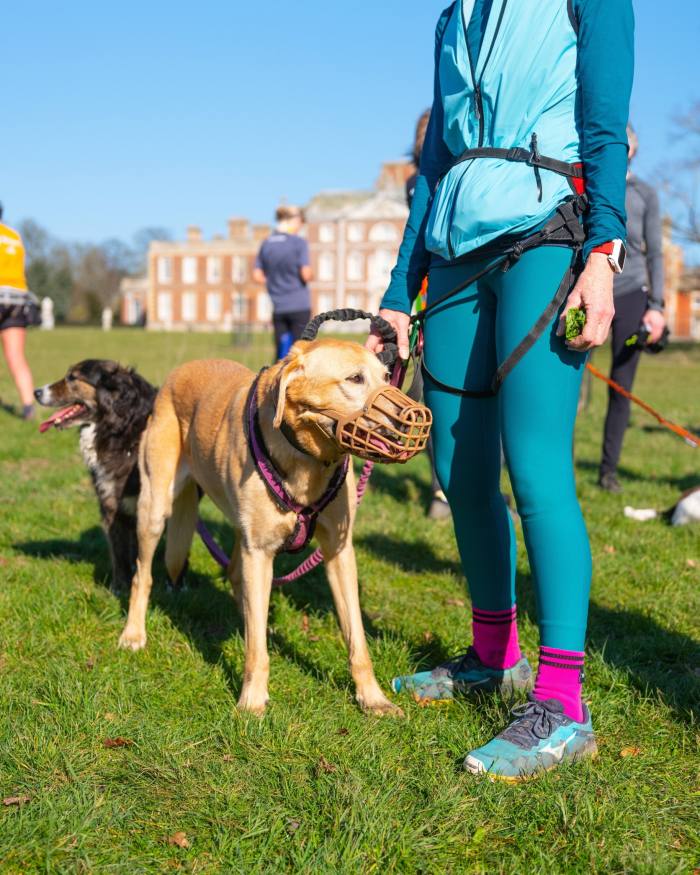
(639, 298)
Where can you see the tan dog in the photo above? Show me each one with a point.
(197, 436)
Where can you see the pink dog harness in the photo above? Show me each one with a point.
(306, 515)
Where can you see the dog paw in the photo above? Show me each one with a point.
(252, 704)
(132, 640)
(380, 708)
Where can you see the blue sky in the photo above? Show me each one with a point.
(118, 116)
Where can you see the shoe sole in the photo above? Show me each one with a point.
(507, 692)
(589, 753)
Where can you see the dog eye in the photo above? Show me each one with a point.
(356, 378)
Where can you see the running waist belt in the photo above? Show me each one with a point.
(523, 156)
(563, 229)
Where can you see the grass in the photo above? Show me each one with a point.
(315, 786)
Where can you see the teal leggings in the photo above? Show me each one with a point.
(533, 416)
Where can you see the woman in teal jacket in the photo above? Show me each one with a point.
(550, 82)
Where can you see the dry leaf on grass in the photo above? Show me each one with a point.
(228, 757)
(109, 715)
(427, 636)
(457, 603)
(343, 731)
(292, 825)
(117, 742)
(179, 839)
(630, 751)
(608, 548)
(305, 624)
(691, 563)
(15, 800)
(90, 663)
(324, 766)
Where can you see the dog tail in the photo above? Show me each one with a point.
(642, 514)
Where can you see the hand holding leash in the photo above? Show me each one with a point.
(399, 322)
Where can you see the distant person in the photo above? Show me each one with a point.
(283, 265)
(18, 310)
(639, 298)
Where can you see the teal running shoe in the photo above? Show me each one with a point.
(462, 676)
(540, 738)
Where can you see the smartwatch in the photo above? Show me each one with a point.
(616, 252)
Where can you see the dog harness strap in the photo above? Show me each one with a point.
(306, 515)
(564, 229)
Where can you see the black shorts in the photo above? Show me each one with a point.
(19, 315)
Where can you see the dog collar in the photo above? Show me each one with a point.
(306, 515)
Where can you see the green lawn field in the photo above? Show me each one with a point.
(315, 786)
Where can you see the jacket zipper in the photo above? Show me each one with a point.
(478, 104)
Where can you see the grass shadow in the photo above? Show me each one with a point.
(414, 556)
(409, 487)
(680, 483)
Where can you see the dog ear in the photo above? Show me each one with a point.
(290, 372)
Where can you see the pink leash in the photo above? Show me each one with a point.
(316, 558)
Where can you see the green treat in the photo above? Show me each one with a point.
(575, 320)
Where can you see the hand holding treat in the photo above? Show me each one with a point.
(575, 322)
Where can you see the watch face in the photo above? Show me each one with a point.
(621, 256)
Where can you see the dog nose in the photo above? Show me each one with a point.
(37, 394)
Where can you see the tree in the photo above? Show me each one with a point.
(683, 184)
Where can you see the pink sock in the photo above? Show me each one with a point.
(496, 637)
(559, 676)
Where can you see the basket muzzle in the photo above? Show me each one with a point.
(389, 428)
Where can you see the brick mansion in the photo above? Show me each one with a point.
(207, 284)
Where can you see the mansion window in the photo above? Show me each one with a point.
(326, 232)
(213, 306)
(383, 232)
(189, 269)
(165, 269)
(213, 269)
(189, 306)
(164, 307)
(356, 232)
(355, 267)
(239, 269)
(326, 267)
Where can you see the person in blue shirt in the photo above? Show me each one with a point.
(531, 102)
(283, 265)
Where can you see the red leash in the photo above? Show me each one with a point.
(692, 439)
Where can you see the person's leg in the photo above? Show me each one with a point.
(460, 351)
(13, 348)
(539, 399)
(629, 310)
(280, 325)
(538, 402)
(298, 322)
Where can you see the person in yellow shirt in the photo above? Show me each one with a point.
(18, 310)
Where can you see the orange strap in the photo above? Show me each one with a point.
(688, 436)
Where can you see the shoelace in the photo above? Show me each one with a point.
(532, 720)
(461, 661)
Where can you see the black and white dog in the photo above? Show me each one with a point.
(686, 510)
(110, 405)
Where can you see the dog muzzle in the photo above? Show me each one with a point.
(389, 428)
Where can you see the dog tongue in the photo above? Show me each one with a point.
(59, 415)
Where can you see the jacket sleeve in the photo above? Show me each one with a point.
(605, 72)
(414, 259)
(654, 241)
